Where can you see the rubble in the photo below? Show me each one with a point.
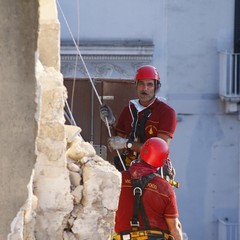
(73, 193)
(89, 212)
(93, 182)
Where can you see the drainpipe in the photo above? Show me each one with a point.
(237, 50)
(92, 114)
(237, 27)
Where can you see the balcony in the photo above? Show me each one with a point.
(229, 80)
(228, 230)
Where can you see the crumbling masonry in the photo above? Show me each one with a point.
(72, 193)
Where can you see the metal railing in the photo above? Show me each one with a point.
(228, 230)
(229, 76)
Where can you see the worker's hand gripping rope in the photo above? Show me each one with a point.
(108, 118)
(106, 113)
(116, 142)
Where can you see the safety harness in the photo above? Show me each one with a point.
(138, 129)
(138, 210)
(138, 207)
(138, 132)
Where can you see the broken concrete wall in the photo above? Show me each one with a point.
(72, 193)
(49, 34)
(18, 127)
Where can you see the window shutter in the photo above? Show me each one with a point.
(237, 27)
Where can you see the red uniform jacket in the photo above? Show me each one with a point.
(162, 120)
(158, 198)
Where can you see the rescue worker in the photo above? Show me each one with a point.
(151, 213)
(142, 119)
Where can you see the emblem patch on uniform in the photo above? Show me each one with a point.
(151, 129)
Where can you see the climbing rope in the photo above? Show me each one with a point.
(76, 61)
(89, 76)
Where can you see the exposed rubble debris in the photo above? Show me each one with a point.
(93, 184)
(91, 212)
(73, 193)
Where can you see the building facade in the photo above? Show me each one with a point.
(193, 44)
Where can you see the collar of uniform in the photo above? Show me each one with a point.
(138, 106)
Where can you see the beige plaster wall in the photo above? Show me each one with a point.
(53, 185)
(18, 128)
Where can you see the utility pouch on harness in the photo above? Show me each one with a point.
(143, 235)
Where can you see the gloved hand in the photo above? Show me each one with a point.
(168, 172)
(168, 169)
(106, 112)
(116, 142)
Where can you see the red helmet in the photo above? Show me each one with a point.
(147, 72)
(154, 152)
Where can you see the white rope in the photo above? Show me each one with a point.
(80, 55)
(71, 116)
(76, 61)
(91, 81)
